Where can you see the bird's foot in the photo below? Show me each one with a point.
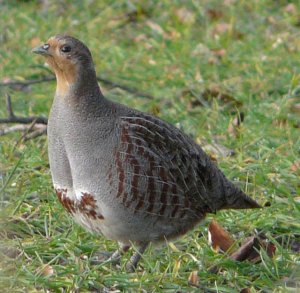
(131, 265)
(100, 257)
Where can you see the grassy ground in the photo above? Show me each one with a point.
(203, 63)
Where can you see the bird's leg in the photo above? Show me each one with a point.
(133, 262)
(116, 256)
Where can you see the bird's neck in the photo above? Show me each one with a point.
(77, 83)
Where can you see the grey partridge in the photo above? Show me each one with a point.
(120, 172)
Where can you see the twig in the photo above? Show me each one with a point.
(9, 108)
(24, 135)
(107, 82)
(36, 133)
(27, 82)
(12, 118)
(21, 127)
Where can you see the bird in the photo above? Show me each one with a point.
(122, 173)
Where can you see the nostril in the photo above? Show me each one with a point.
(46, 46)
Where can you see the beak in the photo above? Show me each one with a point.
(41, 50)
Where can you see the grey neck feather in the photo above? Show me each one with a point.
(85, 95)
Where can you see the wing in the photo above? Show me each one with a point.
(158, 169)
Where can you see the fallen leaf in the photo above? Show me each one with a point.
(270, 248)
(193, 279)
(214, 14)
(250, 247)
(247, 249)
(218, 237)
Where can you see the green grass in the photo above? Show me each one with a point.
(170, 50)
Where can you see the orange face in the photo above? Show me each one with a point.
(58, 54)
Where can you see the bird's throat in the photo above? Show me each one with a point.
(65, 81)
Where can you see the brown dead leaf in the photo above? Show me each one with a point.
(250, 247)
(218, 237)
(214, 14)
(270, 248)
(193, 279)
(247, 249)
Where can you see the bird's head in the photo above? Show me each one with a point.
(69, 58)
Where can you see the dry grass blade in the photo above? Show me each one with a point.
(193, 279)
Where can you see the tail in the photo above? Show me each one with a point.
(237, 199)
(222, 193)
(240, 200)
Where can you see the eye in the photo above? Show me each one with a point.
(65, 48)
